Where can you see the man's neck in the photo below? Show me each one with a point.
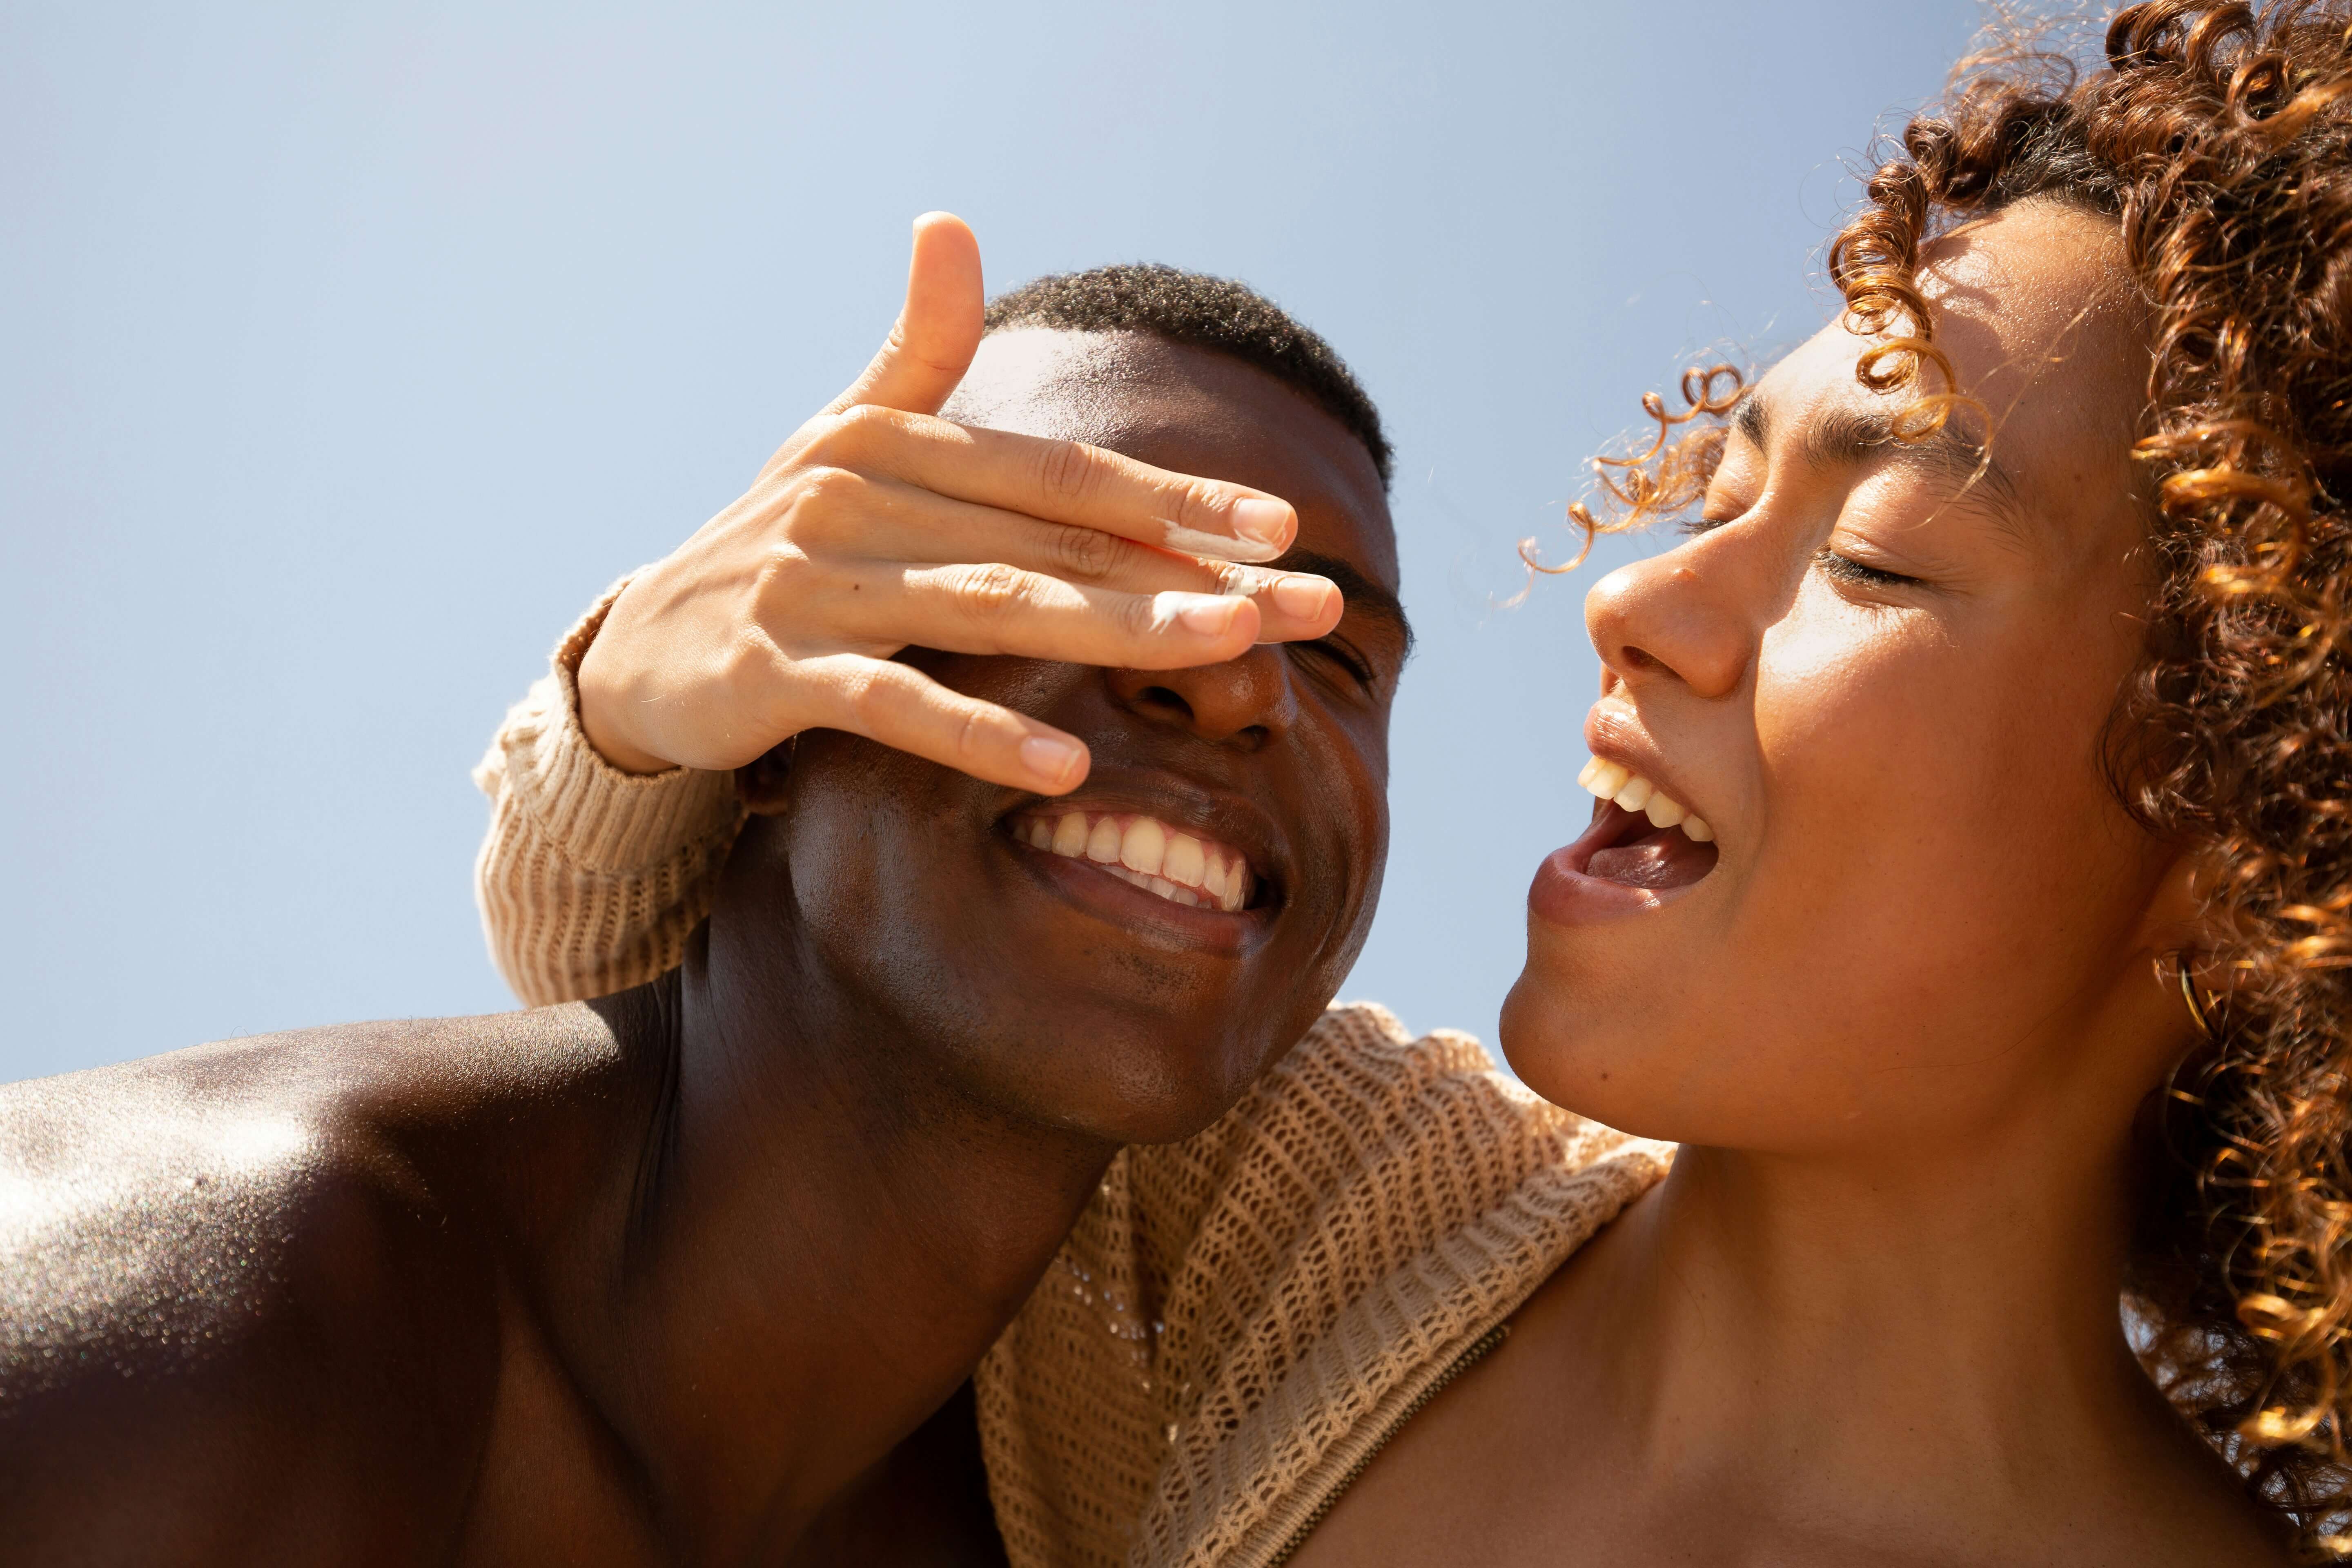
(828, 1234)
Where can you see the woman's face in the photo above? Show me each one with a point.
(1882, 687)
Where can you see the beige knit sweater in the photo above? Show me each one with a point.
(1238, 1322)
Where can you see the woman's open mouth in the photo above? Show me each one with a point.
(1642, 850)
(1627, 849)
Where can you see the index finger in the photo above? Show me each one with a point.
(1071, 482)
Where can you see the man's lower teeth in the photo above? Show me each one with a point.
(1160, 885)
(1206, 876)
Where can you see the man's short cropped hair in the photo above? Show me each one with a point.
(1214, 313)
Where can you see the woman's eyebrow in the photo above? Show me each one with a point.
(1749, 421)
(1847, 438)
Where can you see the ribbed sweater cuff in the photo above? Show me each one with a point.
(604, 820)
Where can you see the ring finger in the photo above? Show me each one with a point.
(921, 528)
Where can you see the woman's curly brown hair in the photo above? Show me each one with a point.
(2219, 138)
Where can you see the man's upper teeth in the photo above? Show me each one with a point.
(1614, 781)
(1177, 866)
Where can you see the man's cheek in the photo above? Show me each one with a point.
(1024, 685)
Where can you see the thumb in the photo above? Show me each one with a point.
(936, 333)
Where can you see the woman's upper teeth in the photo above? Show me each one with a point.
(1181, 866)
(1614, 781)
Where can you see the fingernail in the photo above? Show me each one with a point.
(1308, 598)
(1211, 614)
(1052, 759)
(1261, 521)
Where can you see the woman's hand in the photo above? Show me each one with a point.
(878, 525)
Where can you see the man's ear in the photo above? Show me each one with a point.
(761, 786)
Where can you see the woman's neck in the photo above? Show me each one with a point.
(1879, 1348)
(1820, 1303)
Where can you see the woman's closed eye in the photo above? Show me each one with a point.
(1832, 564)
(1846, 569)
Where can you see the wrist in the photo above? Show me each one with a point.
(616, 747)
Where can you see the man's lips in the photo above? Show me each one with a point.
(1162, 915)
(1180, 864)
(1152, 850)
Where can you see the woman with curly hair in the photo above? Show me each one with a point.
(1968, 898)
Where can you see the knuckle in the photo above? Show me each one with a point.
(1199, 505)
(821, 440)
(1086, 555)
(824, 490)
(841, 437)
(1137, 614)
(991, 590)
(866, 697)
(864, 421)
(971, 732)
(1069, 472)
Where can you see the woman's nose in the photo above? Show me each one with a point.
(1662, 617)
(1247, 699)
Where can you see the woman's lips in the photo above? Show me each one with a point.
(1622, 865)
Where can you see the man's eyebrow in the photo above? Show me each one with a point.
(1845, 438)
(1376, 599)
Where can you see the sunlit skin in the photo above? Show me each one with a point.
(1901, 1026)
(1085, 1002)
(672, 1278)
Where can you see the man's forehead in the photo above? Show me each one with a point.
(1042, 381)
(1094, 385)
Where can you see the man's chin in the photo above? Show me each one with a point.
(1128, 1084)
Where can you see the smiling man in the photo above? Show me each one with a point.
(1055, 840)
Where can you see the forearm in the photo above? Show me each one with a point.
(590, 878)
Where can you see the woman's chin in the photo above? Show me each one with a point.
(1589, 1024)
(1623, 1046)
(1562, 1052)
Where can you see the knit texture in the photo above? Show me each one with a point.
(1240, 1319)
(591, 880)
(1237, 1320)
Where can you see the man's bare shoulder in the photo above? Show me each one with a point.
(243, 1312)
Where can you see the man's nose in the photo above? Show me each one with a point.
(1247, 700)
(1667, 617)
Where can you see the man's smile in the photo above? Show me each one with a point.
(1183, 867)
(1181, 864)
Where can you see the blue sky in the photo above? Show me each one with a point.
(346, 352)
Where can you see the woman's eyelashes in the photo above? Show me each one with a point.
(1846, 569)
(1832, 563)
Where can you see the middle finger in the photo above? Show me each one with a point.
(919, 527)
